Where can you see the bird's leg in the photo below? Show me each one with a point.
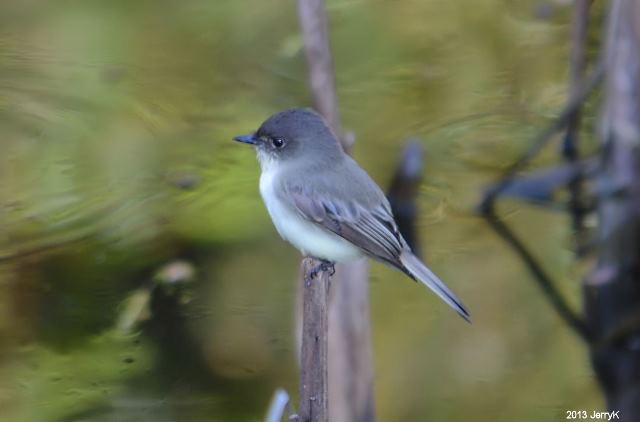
(324, 265)
(328, 266)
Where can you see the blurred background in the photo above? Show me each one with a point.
(140, 276)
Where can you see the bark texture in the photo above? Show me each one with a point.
(314, 406)
(612, 290)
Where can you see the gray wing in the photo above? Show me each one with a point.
(371, 227)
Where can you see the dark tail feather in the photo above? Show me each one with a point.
(417, 270)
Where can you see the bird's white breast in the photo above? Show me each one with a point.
(306, 236)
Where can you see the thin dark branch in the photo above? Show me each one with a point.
(624, 329)
(538, 187)
(545, 136)
(543, 280)
(571, 144)
(568, 118)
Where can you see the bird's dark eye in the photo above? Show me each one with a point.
(277, 142)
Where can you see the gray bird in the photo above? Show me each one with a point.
(325, 205)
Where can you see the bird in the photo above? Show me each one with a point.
(323, 203)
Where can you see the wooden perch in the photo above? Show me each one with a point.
(350, 358)
(314, 391)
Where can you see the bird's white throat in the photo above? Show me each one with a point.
(309, 238)
(268, 163)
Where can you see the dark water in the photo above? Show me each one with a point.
(140, 278)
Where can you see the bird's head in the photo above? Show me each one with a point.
(291, 135)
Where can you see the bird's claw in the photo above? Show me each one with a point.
(323, 266)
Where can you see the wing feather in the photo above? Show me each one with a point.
(372, 230)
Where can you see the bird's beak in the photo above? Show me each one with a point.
(247, 139)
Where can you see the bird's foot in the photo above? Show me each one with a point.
(324, 265)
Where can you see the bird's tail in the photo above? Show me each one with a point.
(418, 271)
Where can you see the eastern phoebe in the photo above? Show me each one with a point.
(323, 203)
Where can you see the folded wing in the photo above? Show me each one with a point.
(372, 229)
